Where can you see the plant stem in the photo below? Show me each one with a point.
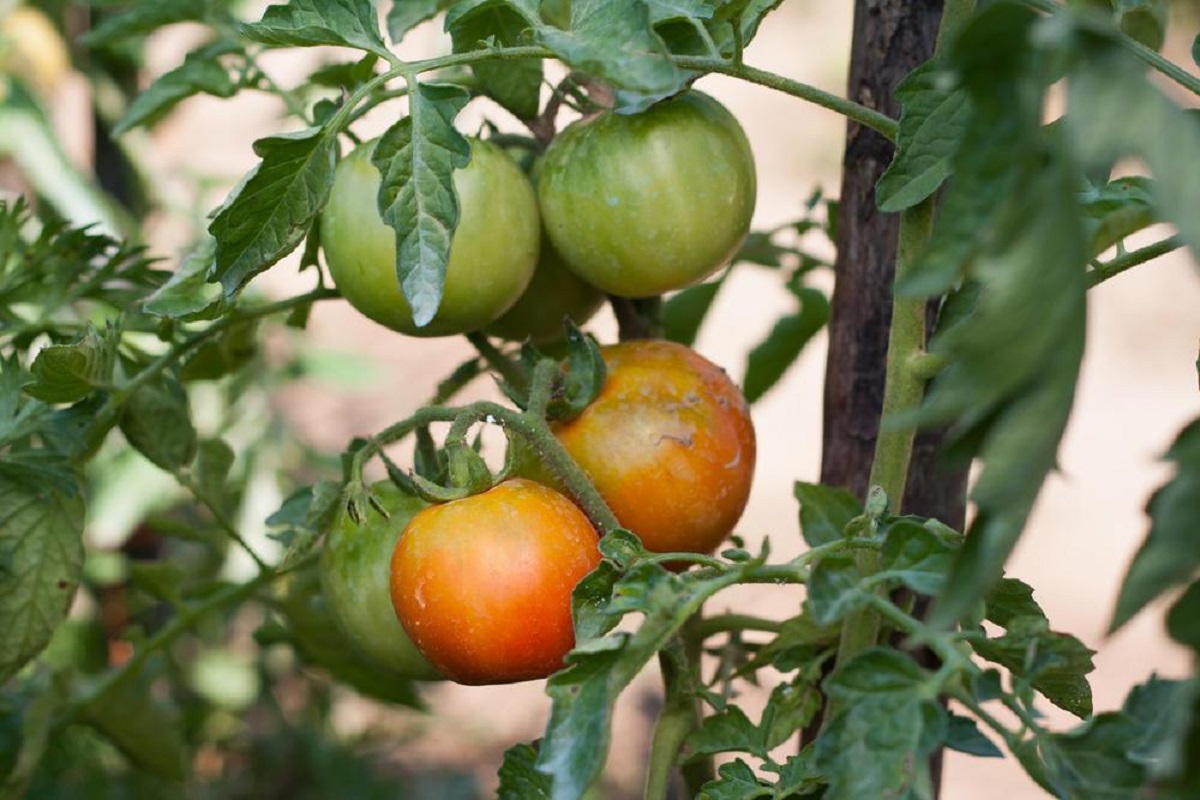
(903, 391)
(1109, 269)
(726, 623)
(680, 715)
(868, 117)
(1151, 57)
(509, 370)
(223, 521)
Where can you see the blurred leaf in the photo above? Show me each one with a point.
(272, 210)
(346, 74)
(519, 780)
(516, 85)
(1170, 554)
(1091, 762)
(41, 560)
(1116, 210)
(404, 15)
(201, 72)
(214, 459)
(1056, 664)
(1011, 599)
(770, 359)
(933, 119)
(684, 312)
(871, 745)
(1161, 710)
(143, 18)
(157, 421)
(964, 736)
(417, 157)
(311, 23)
(1183, 619)
(825, 511)
(149, 736)
(229, 351)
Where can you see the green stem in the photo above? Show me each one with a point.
(1152, 58)
(955, 15)
(868, 117)
(222, 520)
(1109, 269)
(512, 372)
(727, 623)
(680, 715)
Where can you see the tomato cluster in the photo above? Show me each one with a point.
(626, 205)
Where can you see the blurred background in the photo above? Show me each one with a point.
(1139, 387)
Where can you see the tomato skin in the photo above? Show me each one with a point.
(483, 584)
(554, 293)
(669, 444)
(356, 580)
(643, 204)
(492, 255)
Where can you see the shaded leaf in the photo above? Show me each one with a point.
(201, 73)
(684, 312)
(825, 511)
(157, 421)
(770, 359)
(311, 23)
(404, 15)
(144, 18)
(964, 736)
(516, 85)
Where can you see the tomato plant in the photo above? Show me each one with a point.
(483, 584)
(194, 518)
(492, 257)
(356, 578)
(646, 203)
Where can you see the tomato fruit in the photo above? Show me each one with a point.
(483, 584)
(554, 293)
(492, 255)
(642, 204)
(668, 443)
(356, 579)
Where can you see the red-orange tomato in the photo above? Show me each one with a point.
(483, 585)
(669, 445)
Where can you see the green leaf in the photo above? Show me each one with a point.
(404, 15)
(214, 459)
(189, 295)
(417, 157)
(1183, 619)
(1011, 599)
(516, 85)
(143, 18)
(871, 746)
(1170, 555)
(770, 359)
(157, 421)
(725, 732)
(1113, 110)
(964, 736)
(833, 589)
(736, 782)
(1091, 762)
(1196, 50)
(825, 511)
(345, 74)
(519, 780)
(916, 556)
(1055, 664)
(1161, 710)
(41, 560)
(1116, 210)
(66, 373)
(311, 23)
(151, 737)
(201, 72)
(273, 209)
(580, 728)
(933, 120)
(684, 311)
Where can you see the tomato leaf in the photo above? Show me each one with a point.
(825, 511)
(789, 708)
(188, 294)
(417, 157)
(201, 73)
(65, 373)
(151, 738)
(833, 590)
(583, 695)
(684, 311)
(770, 359)
(871, 744)
(916, 556)
(1161, 710)
(311, 23)
(41, 560)
(157, 421)
(144, 18)
(1114, 111)
(516, 85)
(933, 119)
(964, 736)
(1170, 555)
(1183, 619)
(404, 15)
(1092, 763)
(736, 781)
(268, 215)
(1010, 599)
(519, 779)
(1056, 664)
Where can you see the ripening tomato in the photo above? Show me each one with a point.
(646, 203)
(492, 255)
(668, 443)
(356, 579)
(483, 584)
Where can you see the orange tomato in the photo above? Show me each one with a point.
(669, 444)
(483, 585)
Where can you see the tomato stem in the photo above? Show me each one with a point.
(508, 369)
(1108, 269)
(680, 715)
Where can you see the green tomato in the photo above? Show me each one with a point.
(643, 204)
(355, 576)
(554, 293)
(492, 255)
